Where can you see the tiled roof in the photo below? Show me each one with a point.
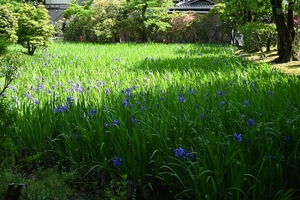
(193, 5)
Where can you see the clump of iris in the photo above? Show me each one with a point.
(185, 155)
(117, 161)
(237, 137)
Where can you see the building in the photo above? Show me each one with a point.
(56, 7)
(197, 6)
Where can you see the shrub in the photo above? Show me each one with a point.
(44, 184)
(4, 43)
(8, 116)
(257, 35)
(8, 26)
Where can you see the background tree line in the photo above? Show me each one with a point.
(137, 21)
(262, 23)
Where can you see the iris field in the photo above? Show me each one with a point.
(201, 121)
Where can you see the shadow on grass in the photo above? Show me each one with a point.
(187, 62)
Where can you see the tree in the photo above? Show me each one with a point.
(34, 30)
(107, 19)
(77, 22)
(182, 26)
(147, 9)
(234, 14)
(283, 13)
(97, 20)
(284, 19)
(257, 35)
(157, 24)
(14, 4)
(8, 26)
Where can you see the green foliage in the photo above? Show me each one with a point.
(282, 14)
(192, 27)
(181, 25)
(149, 14)
(48, 185)
(234, 14)
(122, 187)
(227, 21)
(218, 8)
(77, 20)
(107, 19)
(8, 149)
(100, 21)
(58, 29)
(8, 23)
(257, 35)
(8, 117)
(8, 27)
(296, 42)
(15, 4)
(73, 9)
(73, 28)
(35, 30)
(43, 184)
(158, 24)
(9, 64)
(4, 43)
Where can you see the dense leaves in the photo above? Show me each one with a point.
(9, 64)
(34, 29)
(257, 35)
(8, 26)
(107, 18)
(114, 21)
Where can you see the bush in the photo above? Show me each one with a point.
(257, 35)
(7, 147)
(44, 184)
(4, 43)
(73, 28)
(8, 26)
(8, 116)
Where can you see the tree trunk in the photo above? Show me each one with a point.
(30, 48)
(286, 31)
(280, 48)
(144, 18)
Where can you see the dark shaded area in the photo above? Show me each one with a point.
(13, 193)
(195, 58)
(160, 192)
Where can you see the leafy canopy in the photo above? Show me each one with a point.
(34, 29)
